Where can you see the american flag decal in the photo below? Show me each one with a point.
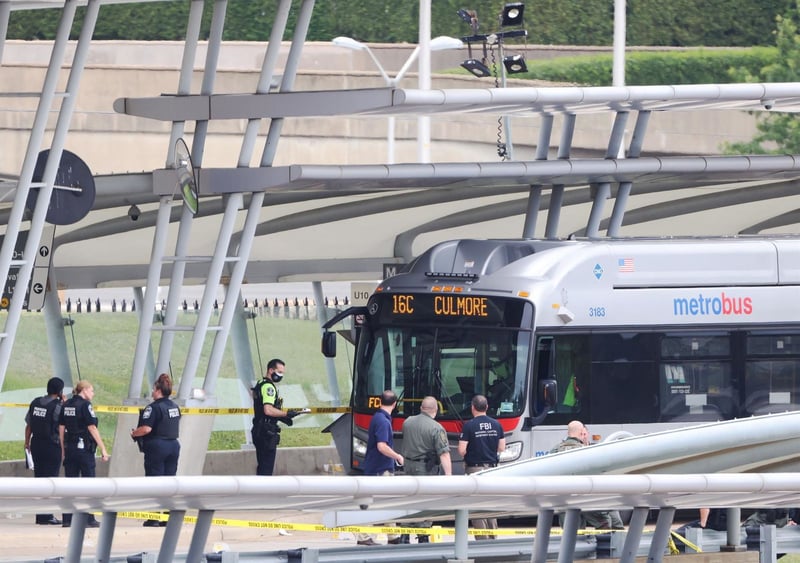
(626, 264)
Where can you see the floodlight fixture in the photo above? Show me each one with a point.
(477, 68)
(512, 14)
(515, 64)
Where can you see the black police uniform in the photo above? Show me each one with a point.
(160, 446)
(77, 415)
(79, 446)
(43, 415)
(266, 433)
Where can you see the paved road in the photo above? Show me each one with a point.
(22, 540)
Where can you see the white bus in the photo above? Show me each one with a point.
(631, 335)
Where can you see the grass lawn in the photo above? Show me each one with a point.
(101, 346)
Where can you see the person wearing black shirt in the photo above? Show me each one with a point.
(157, 434)
(42, 438)
(481, 441)
(80, 439)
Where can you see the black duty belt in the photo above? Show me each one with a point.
(484, 465)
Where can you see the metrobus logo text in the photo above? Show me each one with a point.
(712, 305)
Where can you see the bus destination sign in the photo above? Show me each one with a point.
(423, 307)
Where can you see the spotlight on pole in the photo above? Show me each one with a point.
(515, 64)
(477, 68)
(512, 14)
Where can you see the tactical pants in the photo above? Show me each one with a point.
(266, 437)
(160, 456)
(46, 463)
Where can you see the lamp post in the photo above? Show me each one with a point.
(436, 44)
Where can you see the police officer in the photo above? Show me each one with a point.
(80, 439)
(267, 410)
(42, 439)
(157, 434)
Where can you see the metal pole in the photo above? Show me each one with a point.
(424, 122)
(26, 175)
(233, 289)
(635, 529)
(461, 537)
(171, 534)
(330, 365)
(106, 537)
(542, 539)
(659, 542)
(572, 520)
(147, 302)
(618, 66)
(54, 324)
(201, 528)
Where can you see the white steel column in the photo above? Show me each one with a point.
(148, 303)
(201, 327)
(233, 290)
(53, 161)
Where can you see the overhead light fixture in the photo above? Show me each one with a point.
(477, 68)
(512, 14)
(515, 64)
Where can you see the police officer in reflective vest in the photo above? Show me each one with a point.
(80, 439)
(41, 437)
(267, 410)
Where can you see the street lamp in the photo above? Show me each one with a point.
(437, 44)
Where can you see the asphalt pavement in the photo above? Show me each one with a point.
(22, 540)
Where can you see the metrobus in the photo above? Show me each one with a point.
(626, 335)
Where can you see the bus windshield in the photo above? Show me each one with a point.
(451, 362)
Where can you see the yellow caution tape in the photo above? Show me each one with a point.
(436, 530)
(119, 409)
(686, 542)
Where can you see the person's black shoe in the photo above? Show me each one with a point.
(150, 524)
(423, 538)
(52, 521)
(162, 523)
(65, 524)
(93, 524)
(395, 541)
(368, 541)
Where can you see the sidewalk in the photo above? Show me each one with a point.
(22, 540)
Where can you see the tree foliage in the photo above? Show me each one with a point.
(777, 132)
(563, 22)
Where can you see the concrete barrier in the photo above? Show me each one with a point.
(289, 461)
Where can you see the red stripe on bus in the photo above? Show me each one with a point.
(452, 426)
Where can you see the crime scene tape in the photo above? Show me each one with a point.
(683, 540)
(194, 410)
(435, 530)
(161, 516)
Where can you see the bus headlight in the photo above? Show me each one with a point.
(359, 447)
(511, 453)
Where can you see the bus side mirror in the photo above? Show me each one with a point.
(548, 394)
(329, 344)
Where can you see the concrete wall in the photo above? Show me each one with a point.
(289, 461)
(110, 142)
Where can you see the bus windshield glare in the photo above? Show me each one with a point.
(451, 349)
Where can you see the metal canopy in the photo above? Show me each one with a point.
(784, 97)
